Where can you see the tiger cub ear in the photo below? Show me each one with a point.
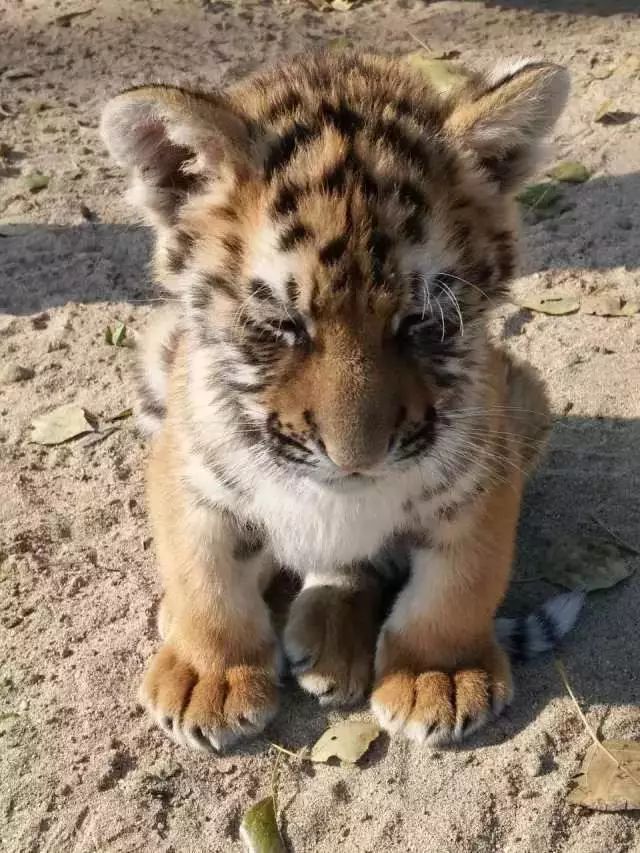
(171, 140)
(506, 116)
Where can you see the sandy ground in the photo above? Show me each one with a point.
(81, 769)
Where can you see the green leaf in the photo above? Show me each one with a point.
(557, 305)
(115, 337)
(60, 425)
(587, 564)
(36, 182)
(444, 76)
(540, 196)
(609, 783)
(570, 172)
(259, 828)
(348, 741)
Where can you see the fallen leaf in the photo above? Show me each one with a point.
(60, 425)
(342, 5)
(36, 182)
(115, 337)
(98, 436)
(540, 196)
(608, 114)
(121, 416)
(557, 305)
(630, 67)
(259, 829)
(570, 172)
(348, 741)
(65, 20)
(18, 73)
(587, 564)
(444, 76)
(602, 784)
(609, 306)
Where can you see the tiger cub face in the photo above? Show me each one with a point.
(336, 231)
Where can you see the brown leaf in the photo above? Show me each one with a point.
(587, 564)
(60, 425)
(609, 306)
(347, 740)
(557, 305)
(603, 784)
(608, 114)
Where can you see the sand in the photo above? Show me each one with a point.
(81, 768)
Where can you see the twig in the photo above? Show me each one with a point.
(588, 726)
(614, 535)
(421, 43)
(286, 751)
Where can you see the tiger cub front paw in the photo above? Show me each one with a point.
(329, 641)
(208, 707)
(439, 705)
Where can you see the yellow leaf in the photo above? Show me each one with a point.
(609, 784)
(348, 741)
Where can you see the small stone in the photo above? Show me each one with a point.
(532, 765)
(15, 373)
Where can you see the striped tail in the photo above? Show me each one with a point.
(532, 634)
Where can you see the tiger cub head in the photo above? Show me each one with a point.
(335, 231)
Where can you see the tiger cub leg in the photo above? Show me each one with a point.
(213, 679)
(440, 672)
(331, 633)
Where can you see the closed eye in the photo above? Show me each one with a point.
(291, 332)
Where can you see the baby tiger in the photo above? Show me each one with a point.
(322, 391)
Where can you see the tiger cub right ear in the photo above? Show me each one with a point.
(505, 116)
(172, 139)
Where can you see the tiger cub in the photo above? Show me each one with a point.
(321, 388)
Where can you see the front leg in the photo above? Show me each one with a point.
(214, 678)
(440, 673)
(331, 633)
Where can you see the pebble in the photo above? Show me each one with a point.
(15, 373)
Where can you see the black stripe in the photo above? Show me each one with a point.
(518, 640)
(334, 250)
(294, 235)
(286, 200)
(217, 282)
(293, 290)
(548, 627)
(284, 148)
(342, 117)
(261, 291)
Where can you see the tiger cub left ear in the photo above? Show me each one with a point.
(505, 116)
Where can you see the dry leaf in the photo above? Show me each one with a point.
(342, 5)
(36, 182)
(121, 416)
(540, 196)
(348, 741)
(557, 305)
(443, 75)
(630, 67)
(259, 828)
(60, 425)
(609, 306)
(602, 784)
(608, 114)
(587, 565)
(570, 172)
